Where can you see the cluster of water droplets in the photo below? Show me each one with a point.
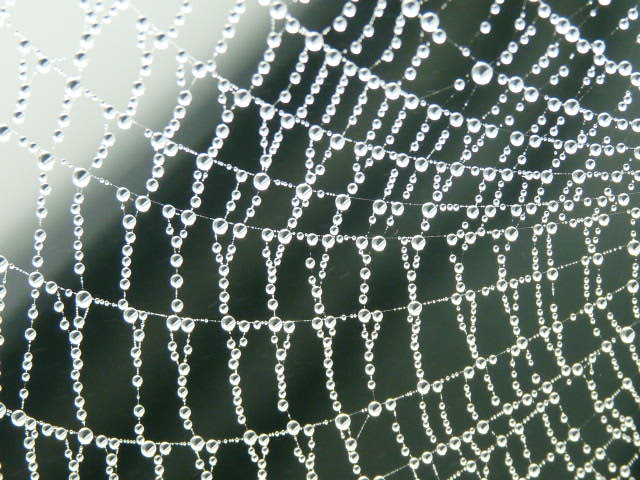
(602, 189)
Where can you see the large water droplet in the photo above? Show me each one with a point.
(343, 421)
(481, 73)
(130, 315)
(423, 387)
(143, 204)
(511, 234)
(261, 181)
(46, 161)
(250, 437)
(627, 334)
(378, 243)
(410, 8)
(18, 418)
(83, 299)
(414, 308)
(314, 41)
(81, 177)
(220, 226)
(228, 323)
(173, 323)
(188, 217)
(148, 448)
(374, 408)
(429, 22)
(242, 98)
(303, 191)
(204, 162)
(343, 202)
(85, 436)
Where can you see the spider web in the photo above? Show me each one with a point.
(412, 254)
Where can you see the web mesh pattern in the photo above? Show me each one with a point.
(406, 249)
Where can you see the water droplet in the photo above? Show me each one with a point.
(571, 107)
(129, 222)
(197, 443)
(36, 279)
(81, 177)
(378, 243)
(304, 191)
(18, 418)
(4, 264)
(516, 138)
(261, 181)
(343, 202)
(481, 73)
(130, 315)
(46, 161)
(148, 448)
(5, 133)
(314, 41)
(204, 162)
(633, 247)
(429, 22)
(278, 10)
(410, 8)
(228, 323)
(511, 234)
(627, 334)
(423, 387)
(293, 428)
(250, 437)
(343, 421)
(188, 217)
(242, 98)
(85, 436)
(429, 210)
(83, 299)
(483, 427)
(578, 176)
(220, 226)
(143, 204)
(374, 408)
(173, 323)
(414, 308)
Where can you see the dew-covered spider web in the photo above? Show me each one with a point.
(374, 239)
